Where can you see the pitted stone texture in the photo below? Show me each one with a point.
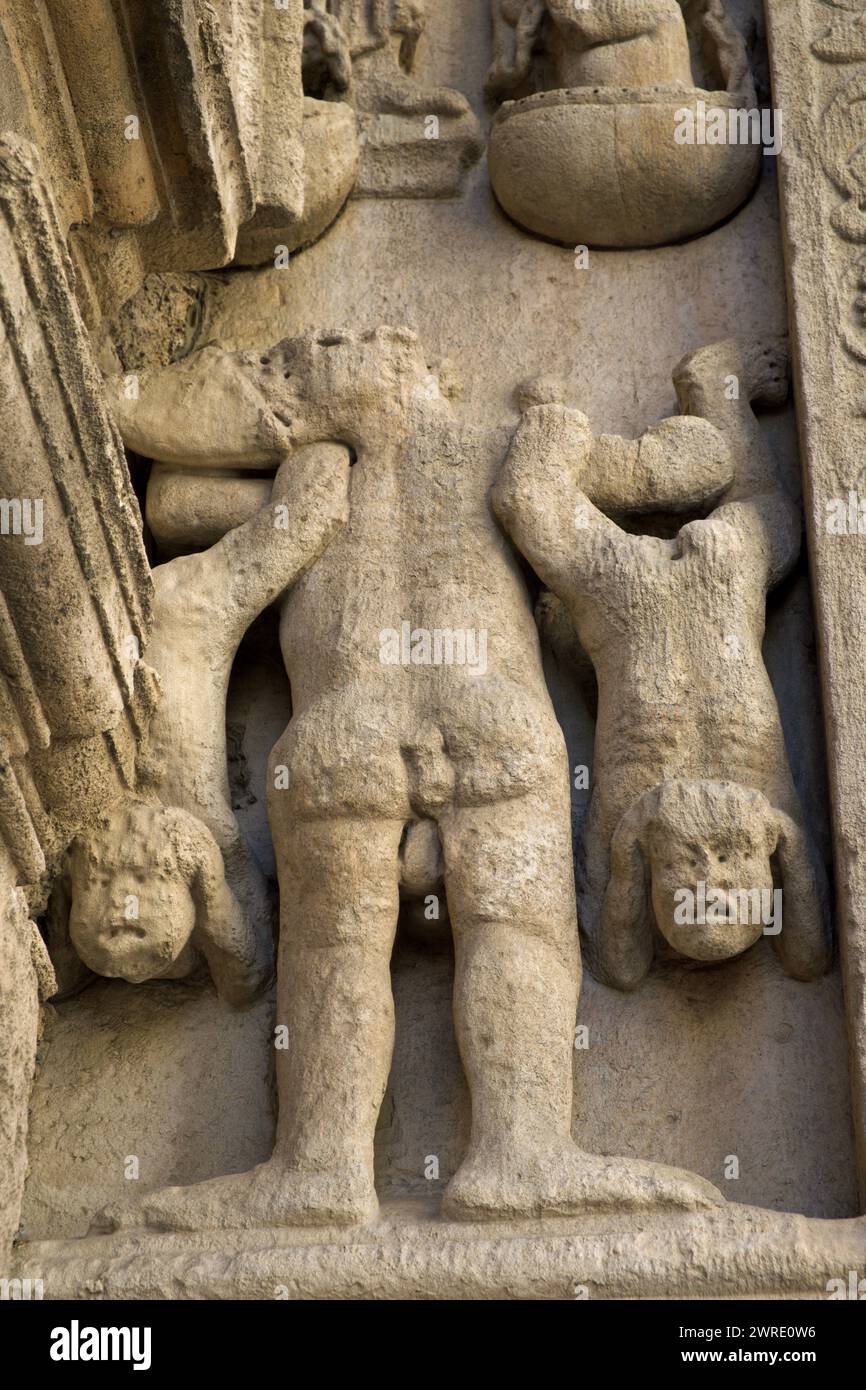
(411, 1253)
(162, 1073)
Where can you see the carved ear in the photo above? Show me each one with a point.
(70, 973)
(240, 958)
(625, 949)
(803, 944)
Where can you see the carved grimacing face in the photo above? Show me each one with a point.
(688, 915)
(130, 924)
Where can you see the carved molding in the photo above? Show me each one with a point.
(75, 604)
(813, 48)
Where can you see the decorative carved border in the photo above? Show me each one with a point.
(74, 617)
(817, 53)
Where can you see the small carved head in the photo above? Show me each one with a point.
(139, 893)
(132, 883)
(708, 847)
(695, 859)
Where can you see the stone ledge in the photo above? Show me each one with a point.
(412, 1253)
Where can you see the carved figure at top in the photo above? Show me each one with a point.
(418, 697)
(416, 141)
(119, 892)
(615, 43)
(594, 156)
(691, 783)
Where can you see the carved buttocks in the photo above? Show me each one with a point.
(474, 854)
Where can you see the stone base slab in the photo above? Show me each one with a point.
(412, 1253)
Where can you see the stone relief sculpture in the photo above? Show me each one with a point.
(415, 141)
(203, 605)
(593, 157)
(182, 140)
(692, 790)
(144, 897)
(339, 650)
(383, 740)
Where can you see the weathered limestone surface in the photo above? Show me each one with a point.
(417, 141)
(467, 637)
(176, 134)
(74, 608)
(411, 1253)
(202, 1105)
(825, 263)
(19, 991)
(592, 154)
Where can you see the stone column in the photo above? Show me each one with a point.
(74, 612)
(19, 1006)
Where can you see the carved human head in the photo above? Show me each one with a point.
(708, 847)
(694, 861)
(131, 884)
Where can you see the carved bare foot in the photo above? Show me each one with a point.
(562, 1180)
(760, 365)
(269, 1195)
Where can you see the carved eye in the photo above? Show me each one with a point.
(723, 859)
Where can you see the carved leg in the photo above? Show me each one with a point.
(339, 895)
(511, 897)
(593, 872)
(339, 919)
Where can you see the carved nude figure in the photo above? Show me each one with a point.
(376, 748)
(691, 782)
(203, 605)
(611, 43)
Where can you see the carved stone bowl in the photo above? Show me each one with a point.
(601, 166)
